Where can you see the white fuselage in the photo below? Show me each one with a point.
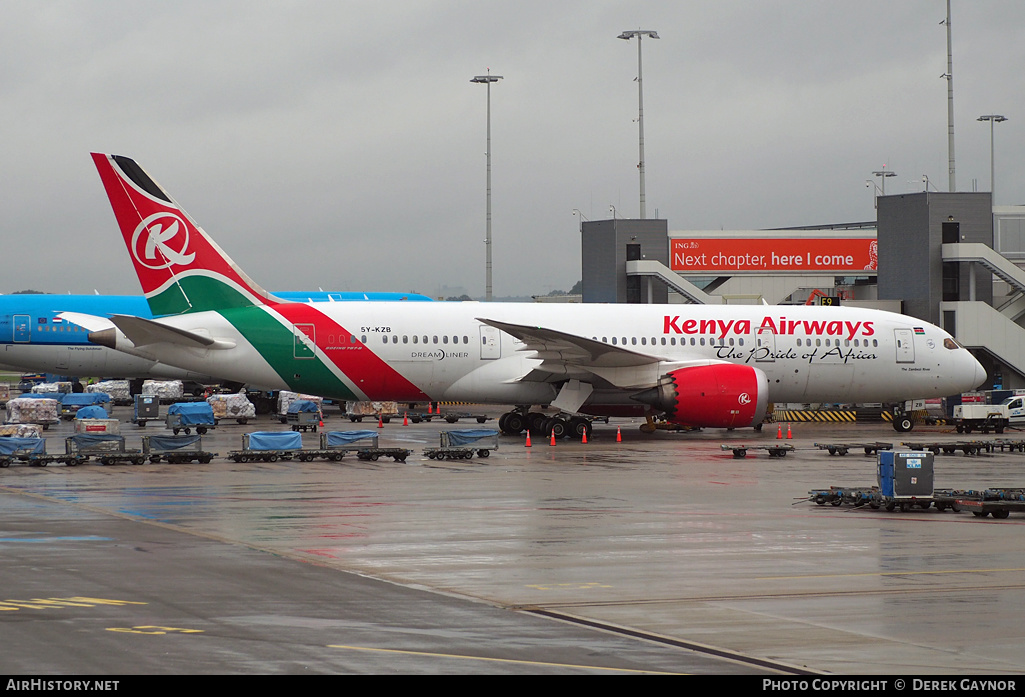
(442, 351)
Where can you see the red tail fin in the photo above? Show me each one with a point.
(179, 267)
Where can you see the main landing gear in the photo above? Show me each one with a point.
(515, 422)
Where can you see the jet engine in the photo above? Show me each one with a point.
(717, 395)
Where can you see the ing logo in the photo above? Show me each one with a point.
(162, 241)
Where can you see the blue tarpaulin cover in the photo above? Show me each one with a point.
(302, 405)
(83, 399)
(340, 438)
(192, 413)
(275, 440)
(93, 412)
(174, 442)
(10, 446)
(469, 435)
(87, 441)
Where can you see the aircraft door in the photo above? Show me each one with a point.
(765, 345)
(304, 339)
(905, 342)
(490, 343)
(22, 329)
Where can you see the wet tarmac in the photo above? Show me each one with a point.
(660, 553)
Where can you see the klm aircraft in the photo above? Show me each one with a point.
(33, 339)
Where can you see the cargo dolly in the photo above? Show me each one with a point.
(175, 449)
(968, 447)
(31, 451)
(999, 503)
(184, 416)
(268, 446)
(464, 444)
(1008, 444)
(740, 451)
(450, 417)
(844, 448)
(335, 444)
(303, 415)
(872, 496)
(107, 448)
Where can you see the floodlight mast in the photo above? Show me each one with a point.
(993, 119)
(639, 34)
(488, 79)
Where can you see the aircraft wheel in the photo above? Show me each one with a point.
(903, 424)
(514, 423)
(578, 427)
(559, 428)
(1000, 514)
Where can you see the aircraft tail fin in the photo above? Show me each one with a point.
(179, 267)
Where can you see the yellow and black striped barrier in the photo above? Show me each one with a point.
(842, 416)
(819, 415)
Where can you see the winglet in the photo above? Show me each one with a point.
(180, 268)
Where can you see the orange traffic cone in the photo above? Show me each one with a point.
(789, 434)
(583, 439)
(779, 432)
(552, 442)
(405, 419)
(380, 421)
(528, 439)
(619, 436)
(429, 408)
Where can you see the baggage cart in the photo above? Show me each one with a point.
(843, 448)
(71, 403)
(108, 449)
(335, 444)
(303, 415)
(185, 416)
(464, 444)
(175, 449)
(42, 410)
(268, 446)
(740, 451)
(22, 449)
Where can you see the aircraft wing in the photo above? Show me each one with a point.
(557, 347)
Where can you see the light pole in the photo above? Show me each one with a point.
(883, 174)
(627, 35)
(488, 79)
(875, 194)
(992, 118)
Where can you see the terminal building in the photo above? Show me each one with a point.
(949, 258)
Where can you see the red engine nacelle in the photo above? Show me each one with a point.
(719, 395)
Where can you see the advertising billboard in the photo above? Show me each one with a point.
(849, 256)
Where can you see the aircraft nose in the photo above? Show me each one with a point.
(980, 373)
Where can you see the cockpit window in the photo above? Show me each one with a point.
(951, 344)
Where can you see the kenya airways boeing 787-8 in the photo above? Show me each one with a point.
(702, 365)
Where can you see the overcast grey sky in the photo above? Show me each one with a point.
(341, 144)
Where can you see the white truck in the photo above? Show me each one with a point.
(1015, 408)
(982, 417)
